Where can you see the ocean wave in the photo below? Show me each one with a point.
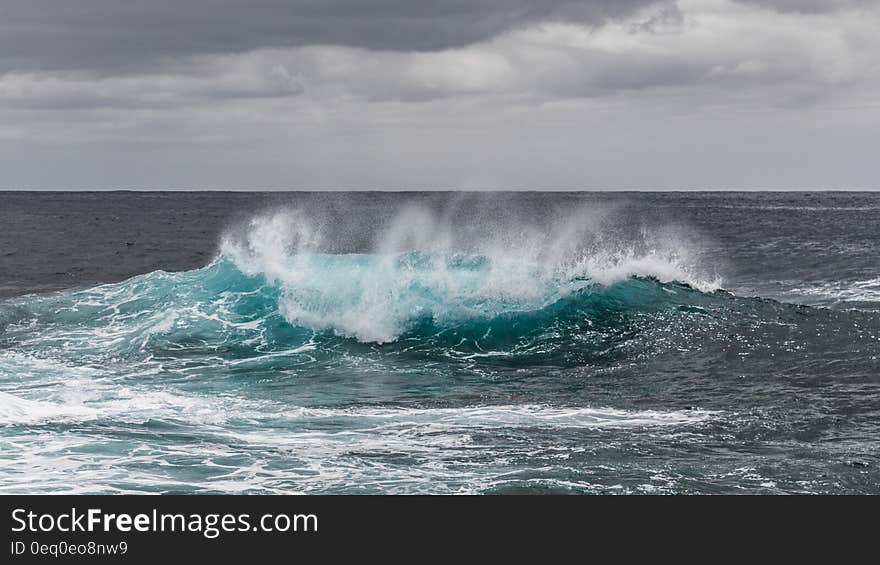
(273, 287)
(274, 301)
(569, 356)
(422, 269)
(449, 307)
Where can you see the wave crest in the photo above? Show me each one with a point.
(422, 267)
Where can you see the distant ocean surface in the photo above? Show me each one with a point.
(439, 343)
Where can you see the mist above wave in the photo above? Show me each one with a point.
(450, 264)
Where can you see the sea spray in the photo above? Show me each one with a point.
(502, 343)
(423, 266)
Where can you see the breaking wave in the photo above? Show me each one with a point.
(424, 272)
(424, 352)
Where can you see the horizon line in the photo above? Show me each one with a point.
(405, 190)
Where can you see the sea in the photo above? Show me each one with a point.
(440, 342)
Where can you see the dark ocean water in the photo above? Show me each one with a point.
(440, 343)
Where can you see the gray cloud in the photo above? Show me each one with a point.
(456, 94)
(809, 6)
(795, 58)
(116, 36)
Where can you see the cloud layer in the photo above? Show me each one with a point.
(297, 94)
(120, 36)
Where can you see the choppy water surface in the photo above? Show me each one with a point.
(704, 343)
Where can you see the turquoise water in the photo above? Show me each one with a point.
(435, 365)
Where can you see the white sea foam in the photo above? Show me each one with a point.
(866, 290)
(423, 265)
(243, 443)
(16, 410)
(247, 445)
(88, 402)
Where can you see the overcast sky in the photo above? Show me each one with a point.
(451, 94)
